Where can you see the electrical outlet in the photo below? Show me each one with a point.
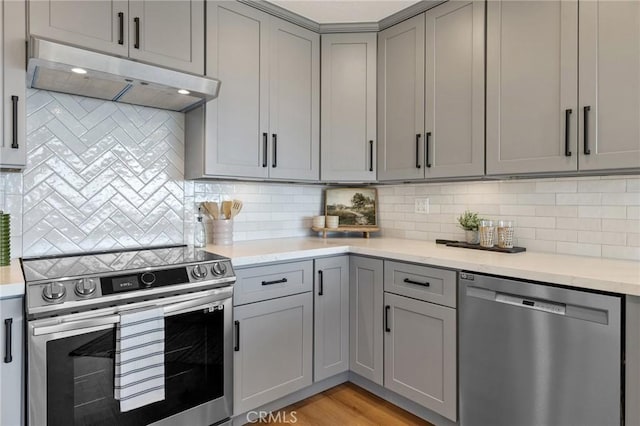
(422, 205)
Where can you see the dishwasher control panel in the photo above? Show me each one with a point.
(554, 308)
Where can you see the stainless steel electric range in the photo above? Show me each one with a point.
(73, 305)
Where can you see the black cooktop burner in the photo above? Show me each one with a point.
(112, 261)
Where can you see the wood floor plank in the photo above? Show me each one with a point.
(345, 405)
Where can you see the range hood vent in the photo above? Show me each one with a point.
(111, 78)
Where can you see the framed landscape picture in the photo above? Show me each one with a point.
(354, 206)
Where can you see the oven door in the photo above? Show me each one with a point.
(71, 365)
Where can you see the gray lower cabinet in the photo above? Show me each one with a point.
(331, 317)
(273, 350)
(420, 353)
(265, 123)
(365, 318)
(348, 107)
(11, 362)
(609, 77)
(12, 85)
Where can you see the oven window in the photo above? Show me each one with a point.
(80, 372)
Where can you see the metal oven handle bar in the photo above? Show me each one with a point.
(169, 310)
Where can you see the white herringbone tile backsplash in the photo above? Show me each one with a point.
(100, 175)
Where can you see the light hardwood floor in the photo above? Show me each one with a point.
(345, 405)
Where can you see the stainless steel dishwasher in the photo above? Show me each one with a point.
(537, 355)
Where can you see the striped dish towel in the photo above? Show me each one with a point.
(139, 358)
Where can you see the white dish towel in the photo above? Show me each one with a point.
(139, 358)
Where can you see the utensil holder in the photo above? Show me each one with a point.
(223, 232)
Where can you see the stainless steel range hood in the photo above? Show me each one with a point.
(114, 79)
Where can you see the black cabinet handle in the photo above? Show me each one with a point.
(14, 104)
(426, 149)
(320, 284)
(136, 20)
(121, 27)
(236, 323)
(567, 119)
(409, 281)
(418, 151)
(370, 156)
(7, 343)
(283, 280)
(386, 319)
(587, 151)
(275, 150)
(265, 136)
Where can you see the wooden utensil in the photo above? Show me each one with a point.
(226, 209)
(212, 208)
(235, 208)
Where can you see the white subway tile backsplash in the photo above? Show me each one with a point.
(579, 199)
(582, 224)
(579, 249)
(602, 186)
(556, 235)
(555, 187)
(612, 238)
(622, 199)
(619, 252)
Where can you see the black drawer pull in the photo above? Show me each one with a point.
(418, 151)
(587, 151)
(121, 27)
(137, 22)
(370, 156)
(7, 343)
(386, 319)
(409, 281)
(14, 140)
(283, 280)
(275, 150)
(264, 150)
(426, 149)
(320, 284)
(236, 323)
(567, 126)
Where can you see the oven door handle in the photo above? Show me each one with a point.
(209, 303)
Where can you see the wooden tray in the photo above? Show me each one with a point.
(364, 229)
(462, 244)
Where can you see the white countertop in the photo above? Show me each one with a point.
(617, 276)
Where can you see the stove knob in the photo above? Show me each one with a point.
(85, 288)
(53, 292)
(147, 279)
(199, 272)
(219, 269)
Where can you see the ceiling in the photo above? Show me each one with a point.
(340, 12)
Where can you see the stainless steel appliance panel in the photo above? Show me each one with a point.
(533, 355)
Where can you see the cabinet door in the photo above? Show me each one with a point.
(365, 318)
(609, 85)
(272, 357)
(348, 107)
(532, 86)
(12, 84)
(168, 33)
(454, 122)
(331, 317)
(294, 97)
(11, 369)
(420, 353)
(401, 100)
(99, 25)
(237, 121)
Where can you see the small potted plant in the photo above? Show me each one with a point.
(469, 221)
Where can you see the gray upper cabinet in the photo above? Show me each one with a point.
(166, 33)
(11, 363)
(454, 122)
(331, 315)
(401, 100)
(12, 85)
(365, 318)
(348, 107)
(532, 60)
(265, 122)
(97, 25)
(609, 111)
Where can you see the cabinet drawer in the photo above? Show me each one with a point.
(268, 282)
(420, 282)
